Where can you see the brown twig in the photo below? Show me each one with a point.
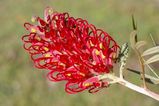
(142, 67)
(133, 41)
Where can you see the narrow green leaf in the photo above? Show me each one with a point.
(150, 51)
(153, 59)
(139, 44)
(134, 24)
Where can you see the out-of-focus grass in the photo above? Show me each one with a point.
(23, 85)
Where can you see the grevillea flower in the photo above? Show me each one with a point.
(71, 49)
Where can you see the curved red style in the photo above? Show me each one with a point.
(71, 49)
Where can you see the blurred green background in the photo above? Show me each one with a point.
(23, 85)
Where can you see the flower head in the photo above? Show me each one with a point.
(71, 49)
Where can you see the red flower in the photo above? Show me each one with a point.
(71, 49)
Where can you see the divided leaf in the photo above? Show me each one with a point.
(153, 59)
(139, 44)
(150, 51)
(152, 79)
(155, 81)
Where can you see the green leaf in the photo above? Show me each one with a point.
(151, 51)
(153, 59)
(139, 44)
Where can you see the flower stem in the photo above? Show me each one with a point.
(130, 86)
(139, 89)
